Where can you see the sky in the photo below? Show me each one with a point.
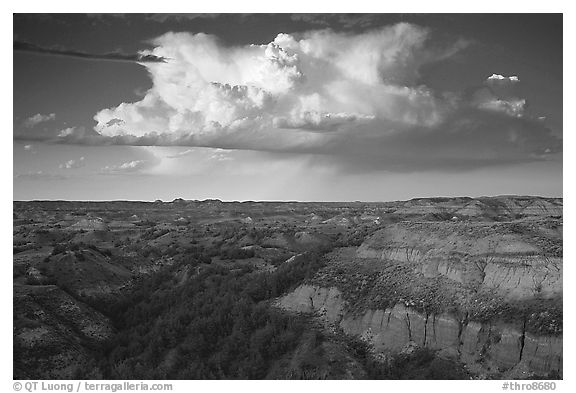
(308, 107)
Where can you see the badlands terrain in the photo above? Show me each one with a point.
(435, 288)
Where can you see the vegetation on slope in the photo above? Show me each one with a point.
(219, 324)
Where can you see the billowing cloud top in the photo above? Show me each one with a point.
(355, 97)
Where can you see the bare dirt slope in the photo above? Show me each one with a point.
(485, 292)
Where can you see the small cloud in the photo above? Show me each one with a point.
(130, 166)
(221, 155)
(29, 148)
(66, 132)
(498, 77)
(78, 134)
(37, 119)
(512, 107)
(72, 164)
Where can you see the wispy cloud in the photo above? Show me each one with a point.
(38, 175)
(183, 17)
(112, 56)
(181, 154)
(343, 20)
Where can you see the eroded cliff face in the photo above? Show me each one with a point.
(490, 347)
(486, 293)
(518, 261)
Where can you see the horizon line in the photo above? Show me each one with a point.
(286, 200)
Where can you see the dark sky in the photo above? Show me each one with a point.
(425, 119)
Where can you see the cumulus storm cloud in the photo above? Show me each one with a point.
(353, 98)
